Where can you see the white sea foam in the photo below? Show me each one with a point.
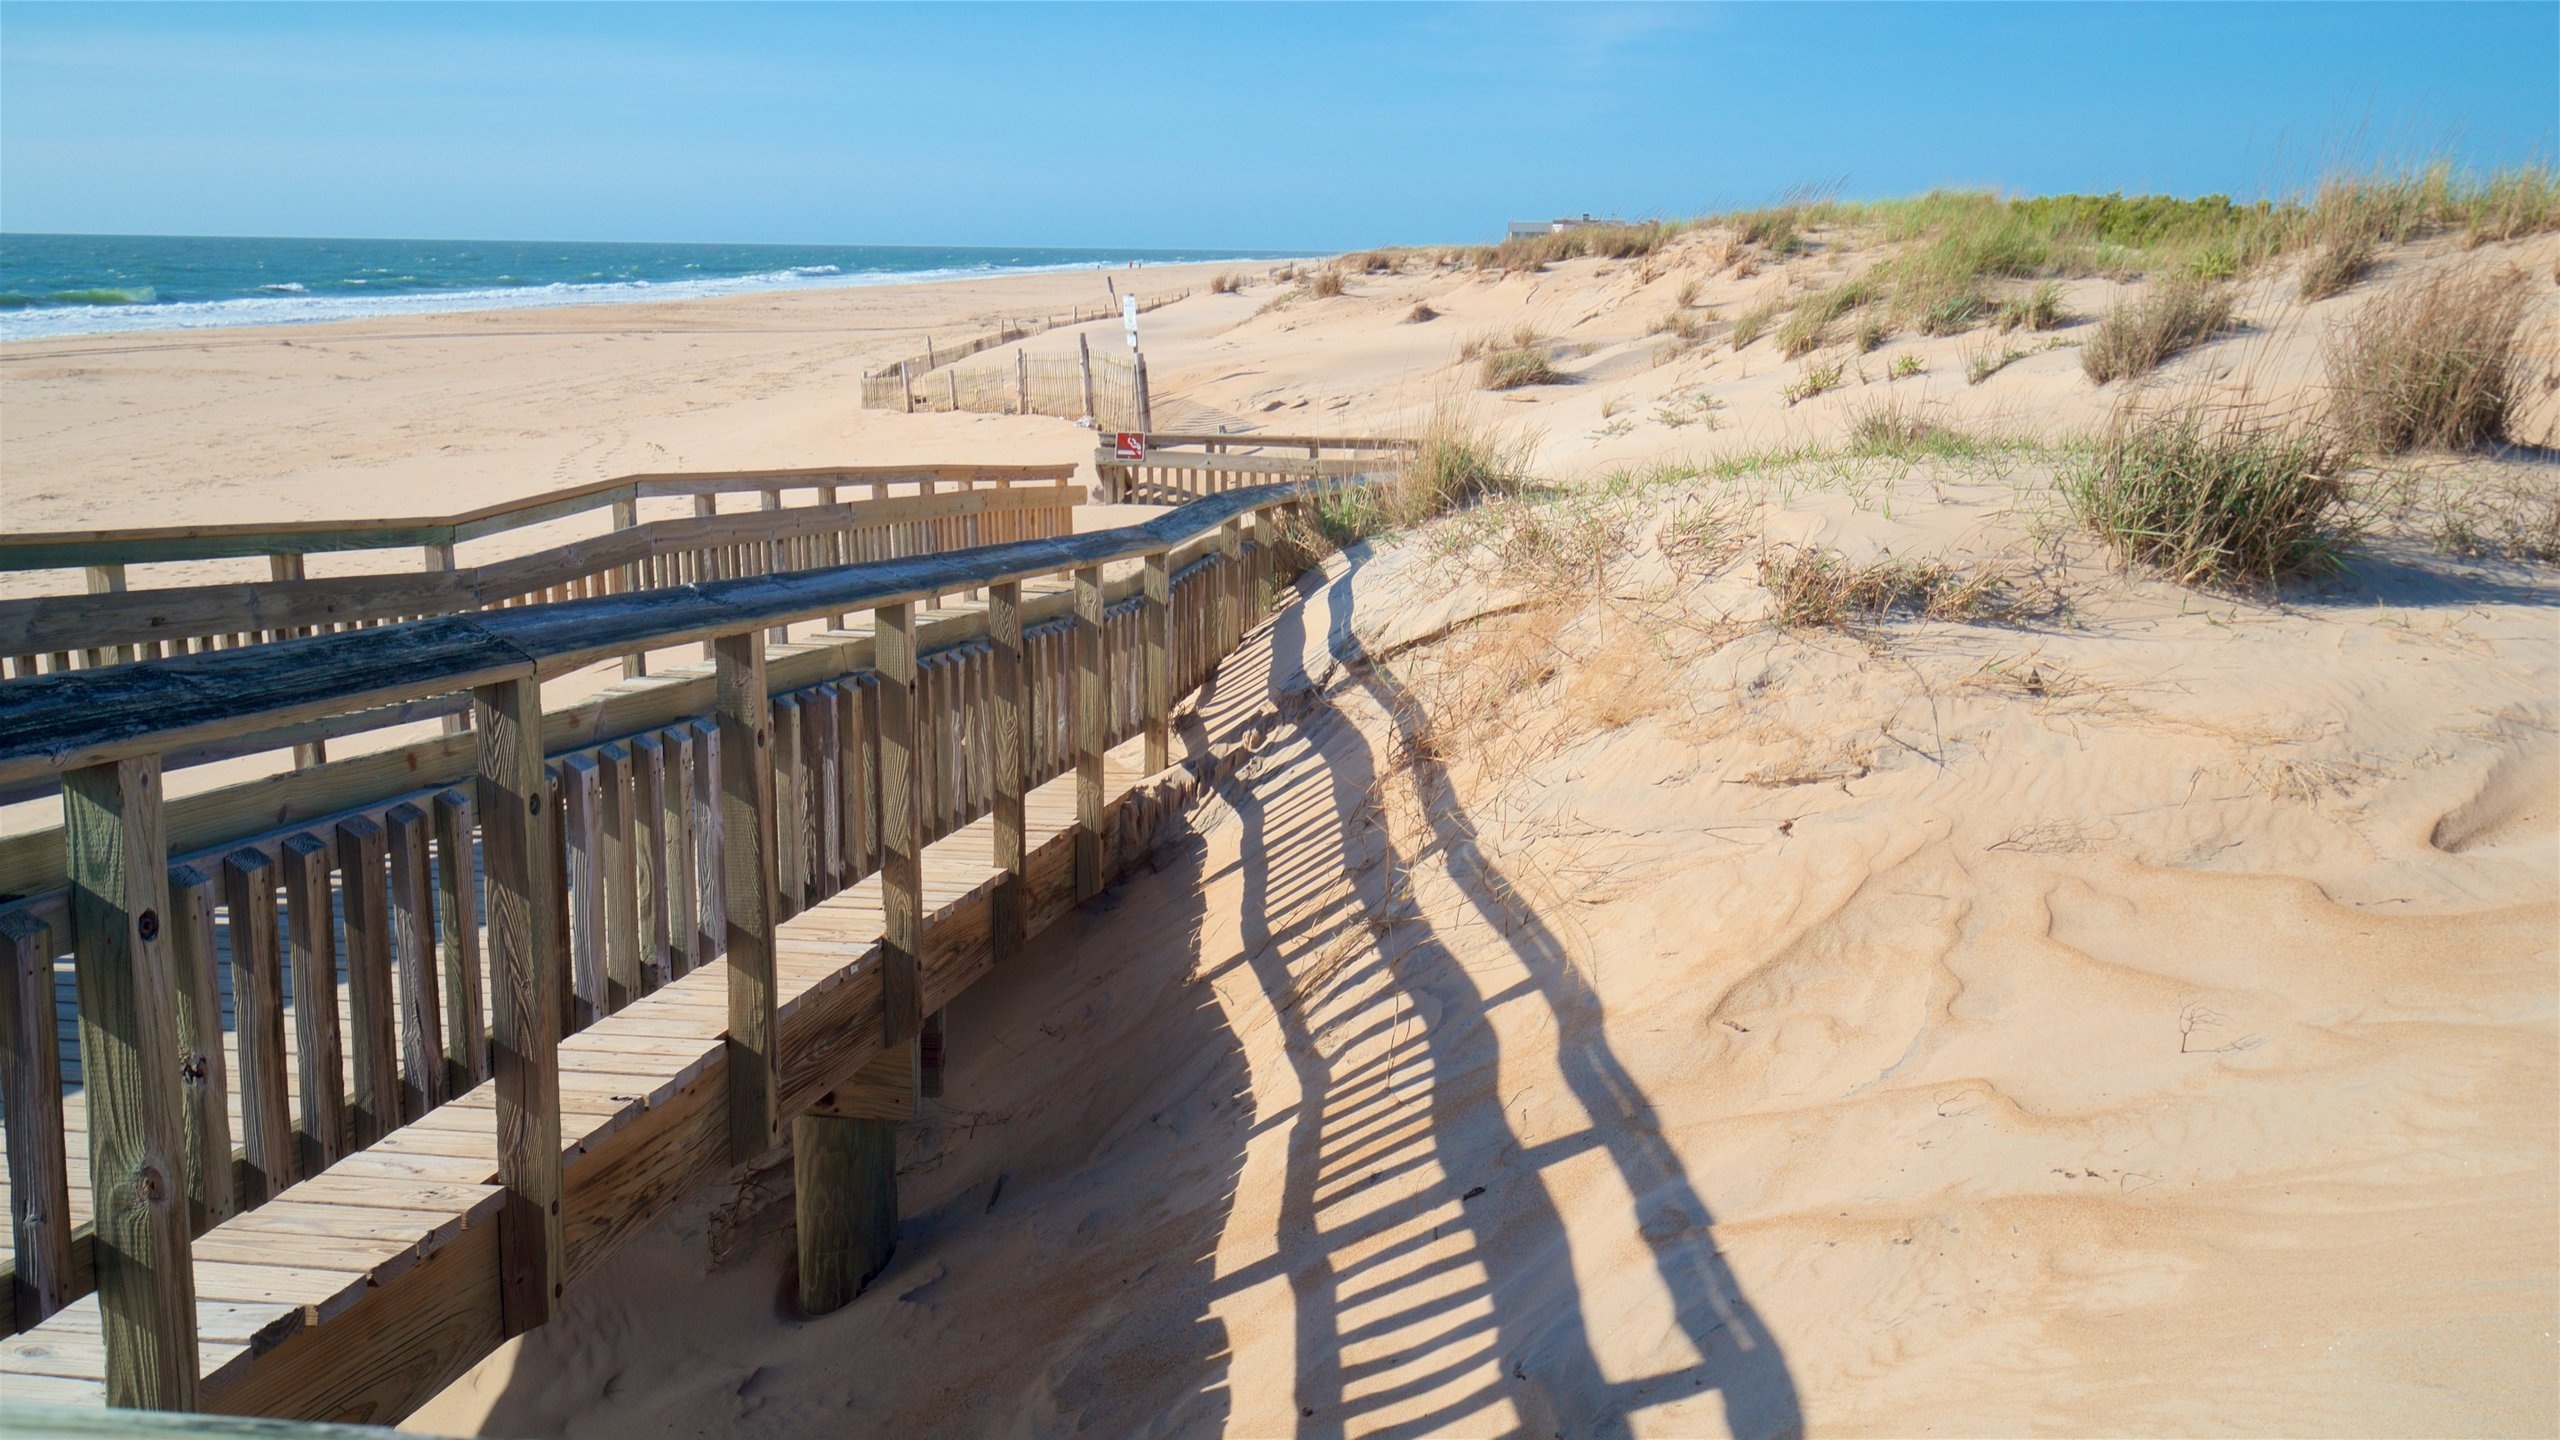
(305, 308)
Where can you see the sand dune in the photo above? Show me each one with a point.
(1596, 1009)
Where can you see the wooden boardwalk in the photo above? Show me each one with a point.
(358, 1293)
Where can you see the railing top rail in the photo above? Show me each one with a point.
(57, 549)
(64, 722)
(1159, 439)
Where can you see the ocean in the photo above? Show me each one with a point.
(103, 284)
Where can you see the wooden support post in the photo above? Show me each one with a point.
(1155, 622)
(845, 1175)
(1084, 373)
(31, 1105)
(117, 862)
(953, 377)
(747, 893)
(312, 943)
(202, 1074)
(516, 848)
(1230, 584)
(1010, 780)
(257, 1004)
(907, 383)
(371, 1008)
(413, 959)
(901, 826)
(1092, 679)
(466, 1033)
(929, 1058)
(1021, 382)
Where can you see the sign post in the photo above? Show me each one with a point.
(1129, 317)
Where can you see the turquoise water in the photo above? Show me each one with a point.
(96, 284)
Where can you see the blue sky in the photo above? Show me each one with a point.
(1297, 126)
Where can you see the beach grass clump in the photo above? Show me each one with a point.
(2439, 360)
(1324, 284)
(1226, 284)
(1509, 362)
(1420, 313)
(2137, 335)
(1456, 462)
(1821, 588)
(1816, 380)
(2038, 309)
(2333, 265)
(2214, 497)
(1527, 254)
(1753, 322)
(1373, 262)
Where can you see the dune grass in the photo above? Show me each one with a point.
(2137, 335)
(2214, 497)
(1824, 588)
(1530, 253)
(2440, 360)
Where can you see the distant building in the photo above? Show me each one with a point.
(1561, 223)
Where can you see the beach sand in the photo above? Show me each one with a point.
(1610, 1013)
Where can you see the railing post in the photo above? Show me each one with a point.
(1008, 784)
(1230, 586)
(1154, 632)
(117, 863)
(901, 827)
(516, 845)
(1092, 675)
(626, 516)
(435, 559)
(748, 885)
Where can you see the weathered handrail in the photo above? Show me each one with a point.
(1171, 473)
(62, 549)
(99, 629)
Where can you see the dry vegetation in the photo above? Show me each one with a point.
(2438, 360)
(2136, 335)
(1226, 284)
(1816, 587)
(2214, 496)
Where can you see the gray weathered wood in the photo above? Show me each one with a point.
(582, 801)
(31, 1104)
(1092, 688)
(267, 1139)
(129, 1073)
(649, 857)
(683, 931)
(845, 1178)
(413, 958)
(1156, 663)
(1009, 777)
(373, 1051)
(620, 854)
(466, 1032)
(790, 805)
(516, 845)
(203, 1077)
(747, 892)
(311, 941)
(901, 826)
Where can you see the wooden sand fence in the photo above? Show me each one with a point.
(910, 383)
(375, 1057)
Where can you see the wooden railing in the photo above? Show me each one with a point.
(613, 849)
(1175, 468)
(50, 634)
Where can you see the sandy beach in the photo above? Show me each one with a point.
(1601, 1007)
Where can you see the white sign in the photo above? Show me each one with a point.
(1129, 317)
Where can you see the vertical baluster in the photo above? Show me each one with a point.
(257, 1017)
(1007, 763)
(582, 796)
(618, 852)
(374, 1050)
(790, 809)
(458, 924)
(413, 958)
(1091, 677)
(31, 1106)
(321, 1128)
(202, 1072)
(649, 856)
(684, 932)
(709, 848)
(825, 843)
(1156, 661)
